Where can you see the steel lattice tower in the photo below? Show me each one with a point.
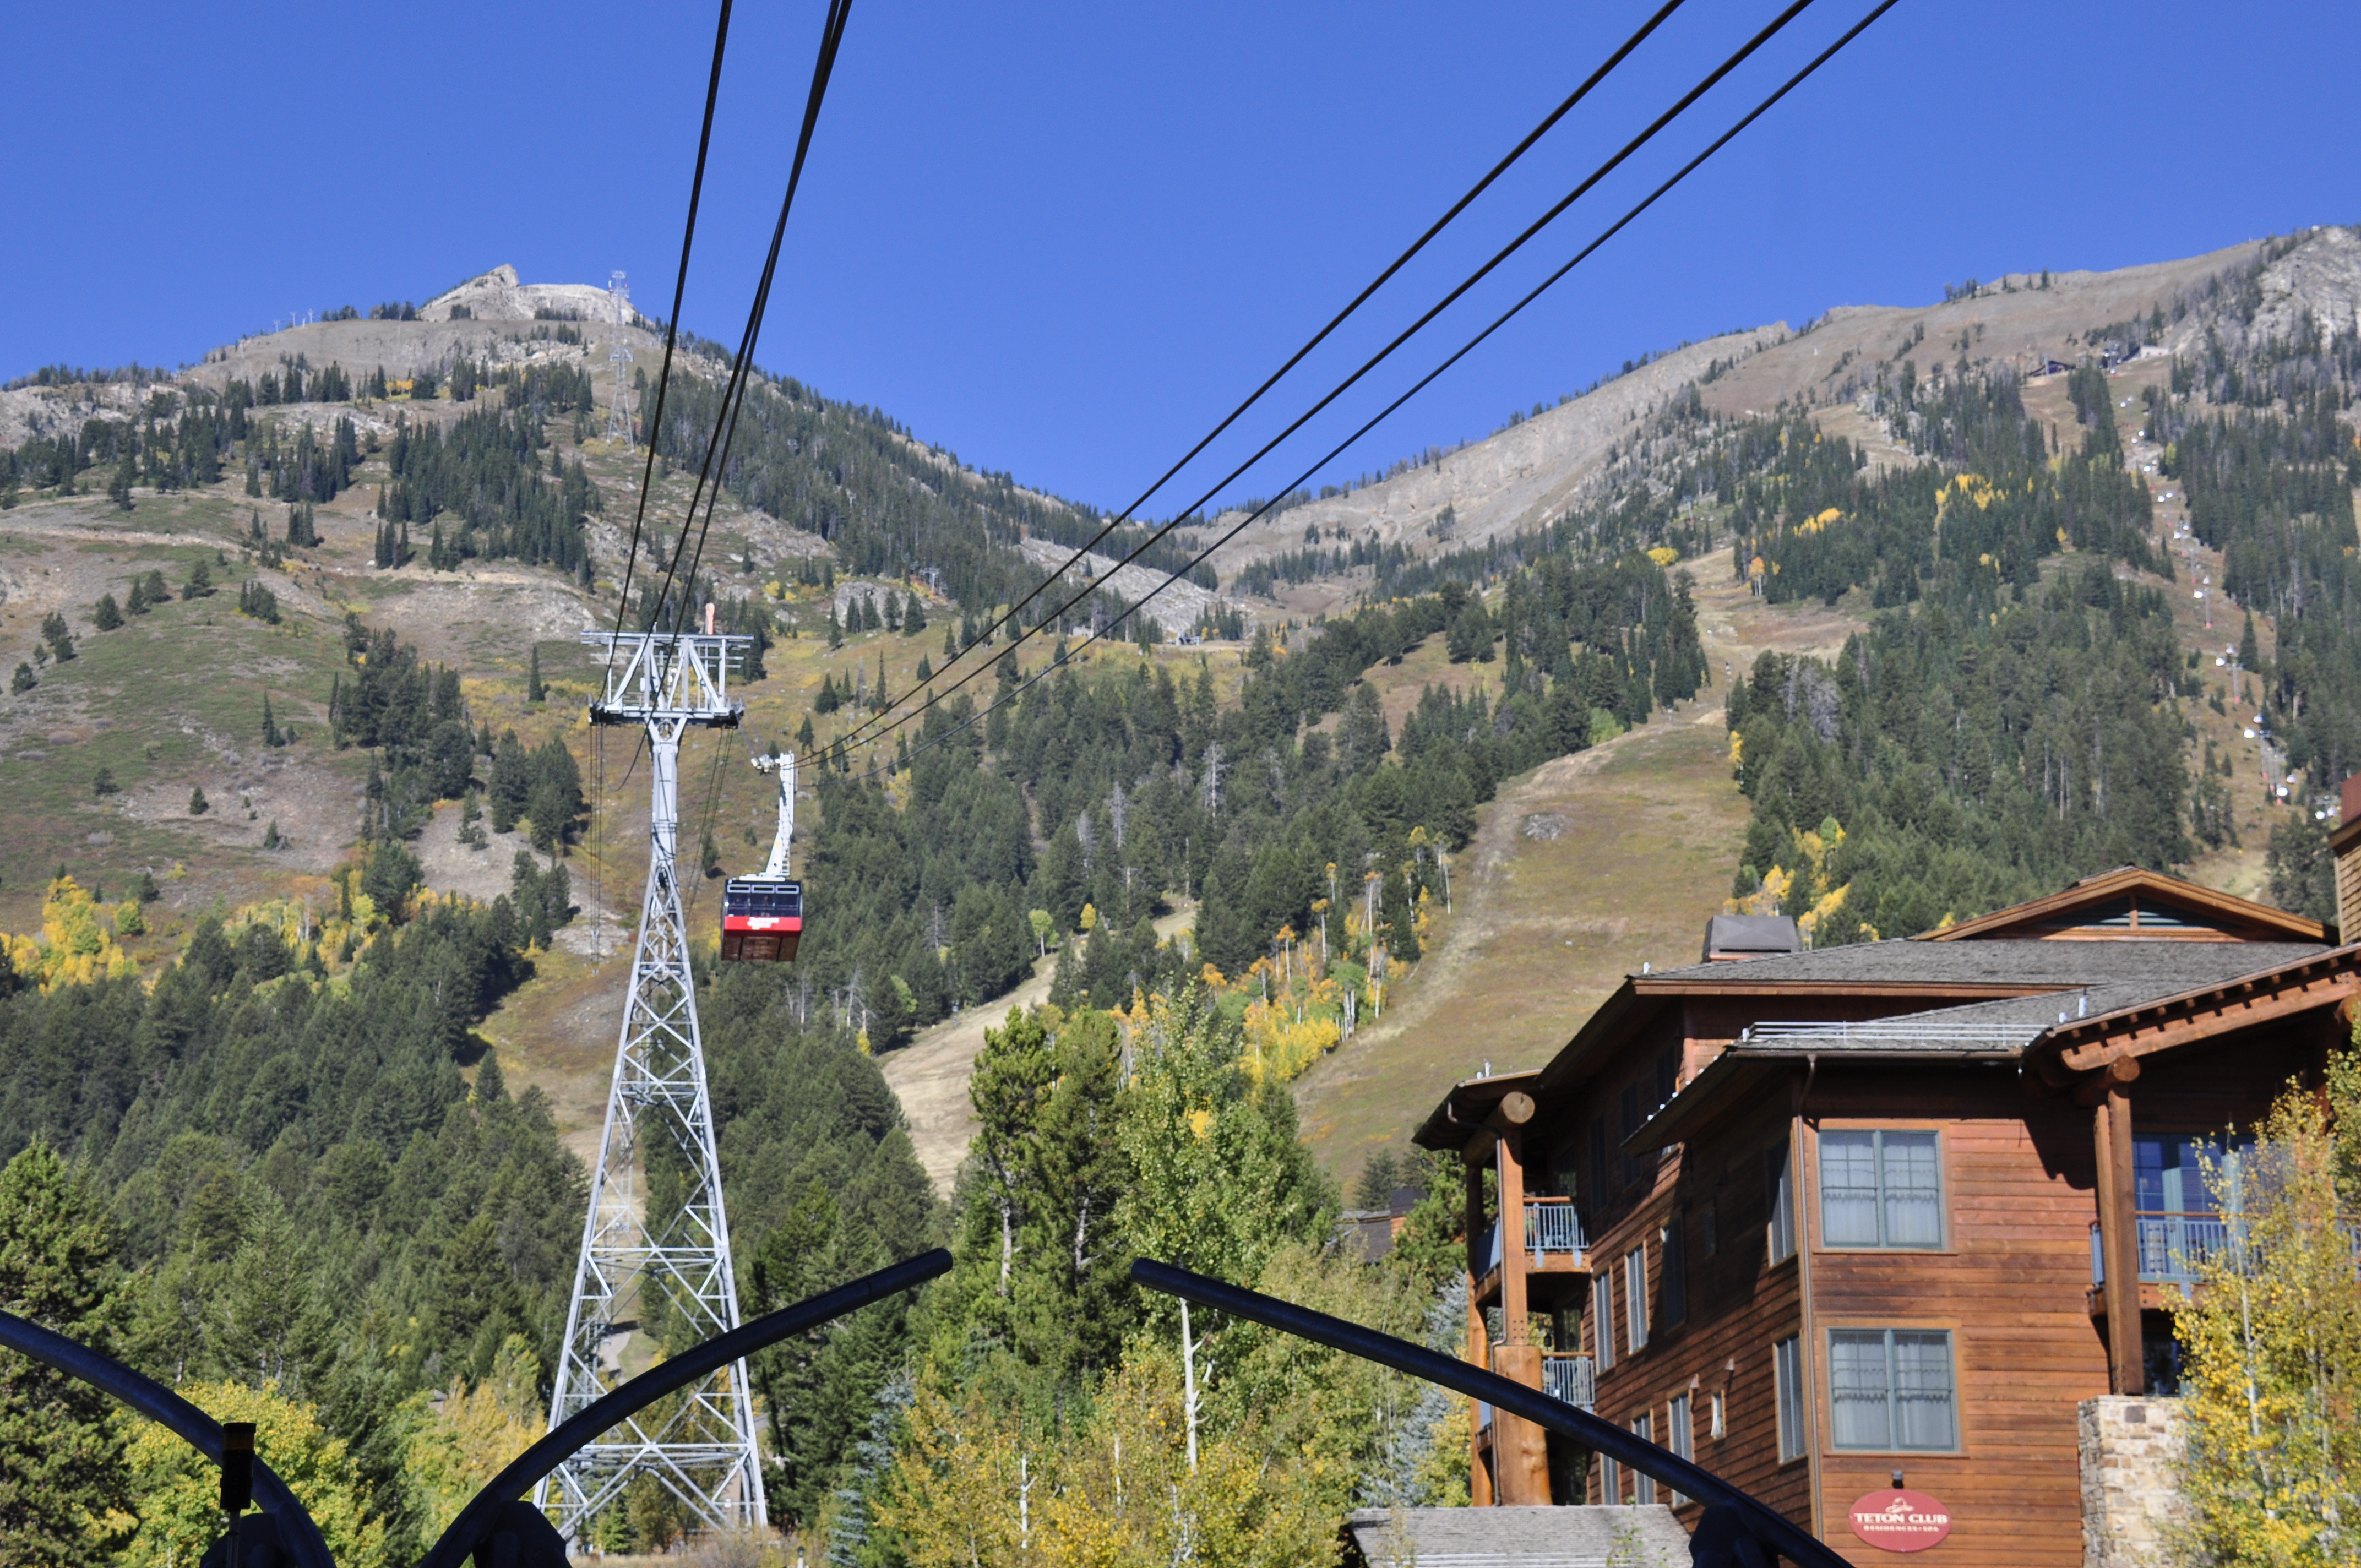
(701, 1449)
(618, 357)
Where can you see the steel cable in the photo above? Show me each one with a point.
(1769, 30)
(1497, 321)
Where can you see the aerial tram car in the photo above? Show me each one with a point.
(763, 914)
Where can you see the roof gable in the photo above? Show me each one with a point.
(2132, 904)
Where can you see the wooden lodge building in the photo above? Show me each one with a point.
(1824, 1219)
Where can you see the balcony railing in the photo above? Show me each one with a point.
(1567, 1377)
(2173, 1248)
(1551, 1224)
(1571, 1378)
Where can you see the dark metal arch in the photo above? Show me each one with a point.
(477, 1518)
(301, 1536)
(158, 1404)
(1735, 1518)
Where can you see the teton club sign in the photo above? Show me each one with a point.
(1900, 1520)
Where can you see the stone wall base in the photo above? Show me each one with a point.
(2131, 1450)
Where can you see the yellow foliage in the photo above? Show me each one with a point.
(1664, 555)
(1280, 1048)
(76, 945)
(1815, 524)
(1802, 888)
(177, 1492)
(973, 1487)
(2271, 1346)
(455, 1449)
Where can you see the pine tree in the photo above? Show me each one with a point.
(269, 727)
(118, 488)
(107, 616)
(835, 631)
(62, 1478)
(534, 690)
(198, 803)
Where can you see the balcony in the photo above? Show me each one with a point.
(1552, 1225)
(1571, 1378)
(1566, 1377)
(2174, 1247)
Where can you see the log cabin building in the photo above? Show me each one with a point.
(1824, 1221)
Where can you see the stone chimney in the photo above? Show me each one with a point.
(2345, 844)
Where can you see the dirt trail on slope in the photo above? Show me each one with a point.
(1579, 872)
(930, 1074)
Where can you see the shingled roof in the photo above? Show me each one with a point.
(2000, 1030)
(1511, 1537)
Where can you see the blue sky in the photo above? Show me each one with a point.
(1062, 238)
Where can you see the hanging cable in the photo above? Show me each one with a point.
(1497, 321)
(672, 327)
(733, 395)
(983, 637)
(733, 391)
(1712, 78)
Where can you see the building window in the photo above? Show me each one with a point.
(1597, 1163)
(1678, 1434)
(1891, 1389)
(1787, 1375)
(1627, 1106)
(1777, 1181)
(1705, 1222)
(1602, 1312)
(1668, 1073)
(1610, 1481)
(1673, 1286)
(1643, 1486)
(1718, 1416)
(1880, 1189)
(1635, 1297)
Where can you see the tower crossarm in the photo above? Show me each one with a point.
(669, 678)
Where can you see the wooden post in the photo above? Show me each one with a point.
(1479, 1346)
(2119, 1241)
(1512, 1165)
(1520, 1449)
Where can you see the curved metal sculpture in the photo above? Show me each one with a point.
(479, 1519)
(1737, 1530)
(546, 1455)
(168, 1411)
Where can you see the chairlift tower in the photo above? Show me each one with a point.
(701, 1449)
(618, 358)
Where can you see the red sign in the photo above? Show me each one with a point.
(1900, 1520)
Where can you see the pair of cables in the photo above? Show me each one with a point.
(934, 698)
(725, 425)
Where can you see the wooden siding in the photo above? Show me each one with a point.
(2009, 1284)
(1739, 1305)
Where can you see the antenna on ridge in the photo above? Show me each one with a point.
(619, 354)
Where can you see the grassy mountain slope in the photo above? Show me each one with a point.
(173, 701)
